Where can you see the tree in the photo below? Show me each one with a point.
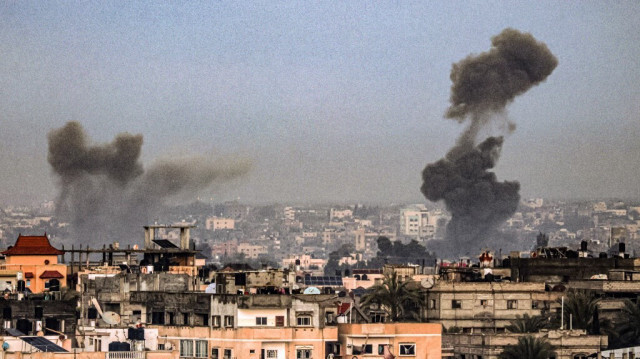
(528, 347)
(527, 324)
(581, 307)
(395, 297)
(628, 328)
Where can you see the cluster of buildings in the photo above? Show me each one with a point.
(185, 292)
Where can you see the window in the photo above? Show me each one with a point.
(280, 321)
(215, 353)
(227, 353)
(535, 304)
(377, 317)
(215, 319)
(407, 349)
(456, 304)
(160, 346)
(432, 304)
(484, 302)
(261, 320)
(380, 349)
(201, 348)
(186, 348)
(304, 321)
(303, 353)
(271, 354)
(157, 317)
(512, 304)
(228, 321)
(185, 318)
(367, 349)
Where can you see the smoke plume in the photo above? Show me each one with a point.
(107, 195)
(482, 87)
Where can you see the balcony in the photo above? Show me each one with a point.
(125, 355)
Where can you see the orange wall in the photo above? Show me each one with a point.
(243, 340)
(35, 260)
(36, 283)
(426, 336)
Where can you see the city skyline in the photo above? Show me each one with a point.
(331, 102)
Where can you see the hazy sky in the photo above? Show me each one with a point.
(333, 101)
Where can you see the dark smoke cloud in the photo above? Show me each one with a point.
(107, 195)
(477, 201)
(482, 87)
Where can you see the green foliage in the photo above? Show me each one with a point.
(628, 328)
(396, 297)
(582, 307)
(527, 324)
(528, 347)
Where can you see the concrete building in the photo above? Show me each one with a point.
(486, 307)
(403, 340)
(218, 223)
(568, 344)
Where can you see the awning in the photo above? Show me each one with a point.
(51, 274)
(28, 274)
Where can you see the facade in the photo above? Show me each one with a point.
(568, 344)
(485, 307)
(32, 263)
(218, 223)
(403, 340)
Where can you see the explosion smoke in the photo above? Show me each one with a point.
(482, 87)
(107, 195)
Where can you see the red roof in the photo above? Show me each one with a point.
(32, 245)
(50, 274)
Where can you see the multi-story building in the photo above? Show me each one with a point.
(479, 307)
(219, 223)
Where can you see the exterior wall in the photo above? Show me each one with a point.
(486, 305)
(427, 338)
(489, 346)
(35, 265)
(247, 317)
(249, 342)
(32, 260)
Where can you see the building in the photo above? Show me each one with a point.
(32, 263)
(568, 344)
(412, 340)
(486, 307)
(218, 223)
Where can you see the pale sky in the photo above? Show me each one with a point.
(333, 101)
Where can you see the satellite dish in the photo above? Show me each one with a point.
(427, 282)
(311, 290)
(211, 289)
(111, 318)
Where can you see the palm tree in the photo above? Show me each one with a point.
(396, 297)
(527, 324)
(628, 328)
(581, 308)
(528, 347)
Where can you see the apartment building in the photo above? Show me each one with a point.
(479, 307)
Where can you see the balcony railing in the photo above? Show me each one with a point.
(125, 355)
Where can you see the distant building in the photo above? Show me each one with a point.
(416, 221)
(218, 223)
(339, 214)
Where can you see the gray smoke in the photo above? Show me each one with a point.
(482, 87)
(107, 195)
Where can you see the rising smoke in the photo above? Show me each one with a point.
(107, 195)
(482, 87)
